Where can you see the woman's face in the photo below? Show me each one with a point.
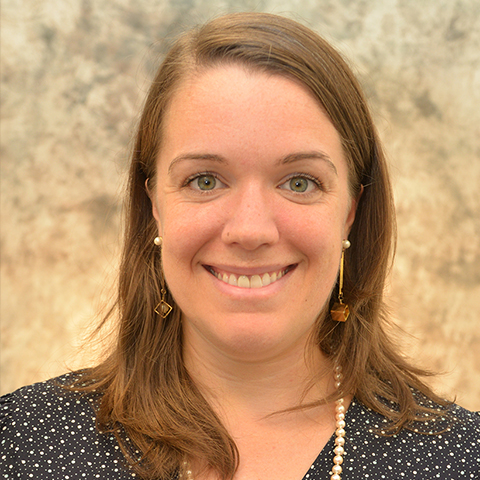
(252, 202)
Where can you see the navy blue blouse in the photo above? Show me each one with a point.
(49, 433)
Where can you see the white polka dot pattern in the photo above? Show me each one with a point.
(49, 433)
(452, 455)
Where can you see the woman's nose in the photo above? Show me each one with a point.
(252, 220)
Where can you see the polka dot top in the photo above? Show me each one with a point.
(49, 433)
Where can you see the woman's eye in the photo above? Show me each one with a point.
(205, 182)
(300, 184)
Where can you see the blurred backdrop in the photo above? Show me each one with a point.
(74, 74)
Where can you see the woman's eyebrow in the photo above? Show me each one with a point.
(196, 156)
(313, 155)
(291, 158)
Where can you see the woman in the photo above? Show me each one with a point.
(259, 234)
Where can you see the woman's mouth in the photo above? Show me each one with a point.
(250, 281)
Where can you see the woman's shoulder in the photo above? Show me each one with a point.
(464, 419)
(443, 421)
(47, 402)
(49, 431)
(48, 389)
(447, 444)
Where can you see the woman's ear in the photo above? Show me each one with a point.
(352, 212)
(153, 199)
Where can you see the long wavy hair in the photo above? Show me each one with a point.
(149, 400)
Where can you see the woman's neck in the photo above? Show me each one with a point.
(260, 387)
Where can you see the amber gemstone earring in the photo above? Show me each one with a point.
(163, 308)
(340, 310)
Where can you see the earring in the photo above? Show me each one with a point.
(340, 310)
(163, 308)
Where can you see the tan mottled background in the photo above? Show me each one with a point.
(74, 74)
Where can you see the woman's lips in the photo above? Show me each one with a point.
(249, 281)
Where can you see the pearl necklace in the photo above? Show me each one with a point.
(340, 429)
(339, 436)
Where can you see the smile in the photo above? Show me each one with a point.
(250, 281)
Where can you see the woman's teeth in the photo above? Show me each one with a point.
(250, 281)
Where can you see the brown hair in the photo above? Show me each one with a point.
(146, 388)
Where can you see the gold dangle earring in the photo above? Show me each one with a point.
(340, 310)
(163, 308)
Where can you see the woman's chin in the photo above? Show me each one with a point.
(249, 337)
